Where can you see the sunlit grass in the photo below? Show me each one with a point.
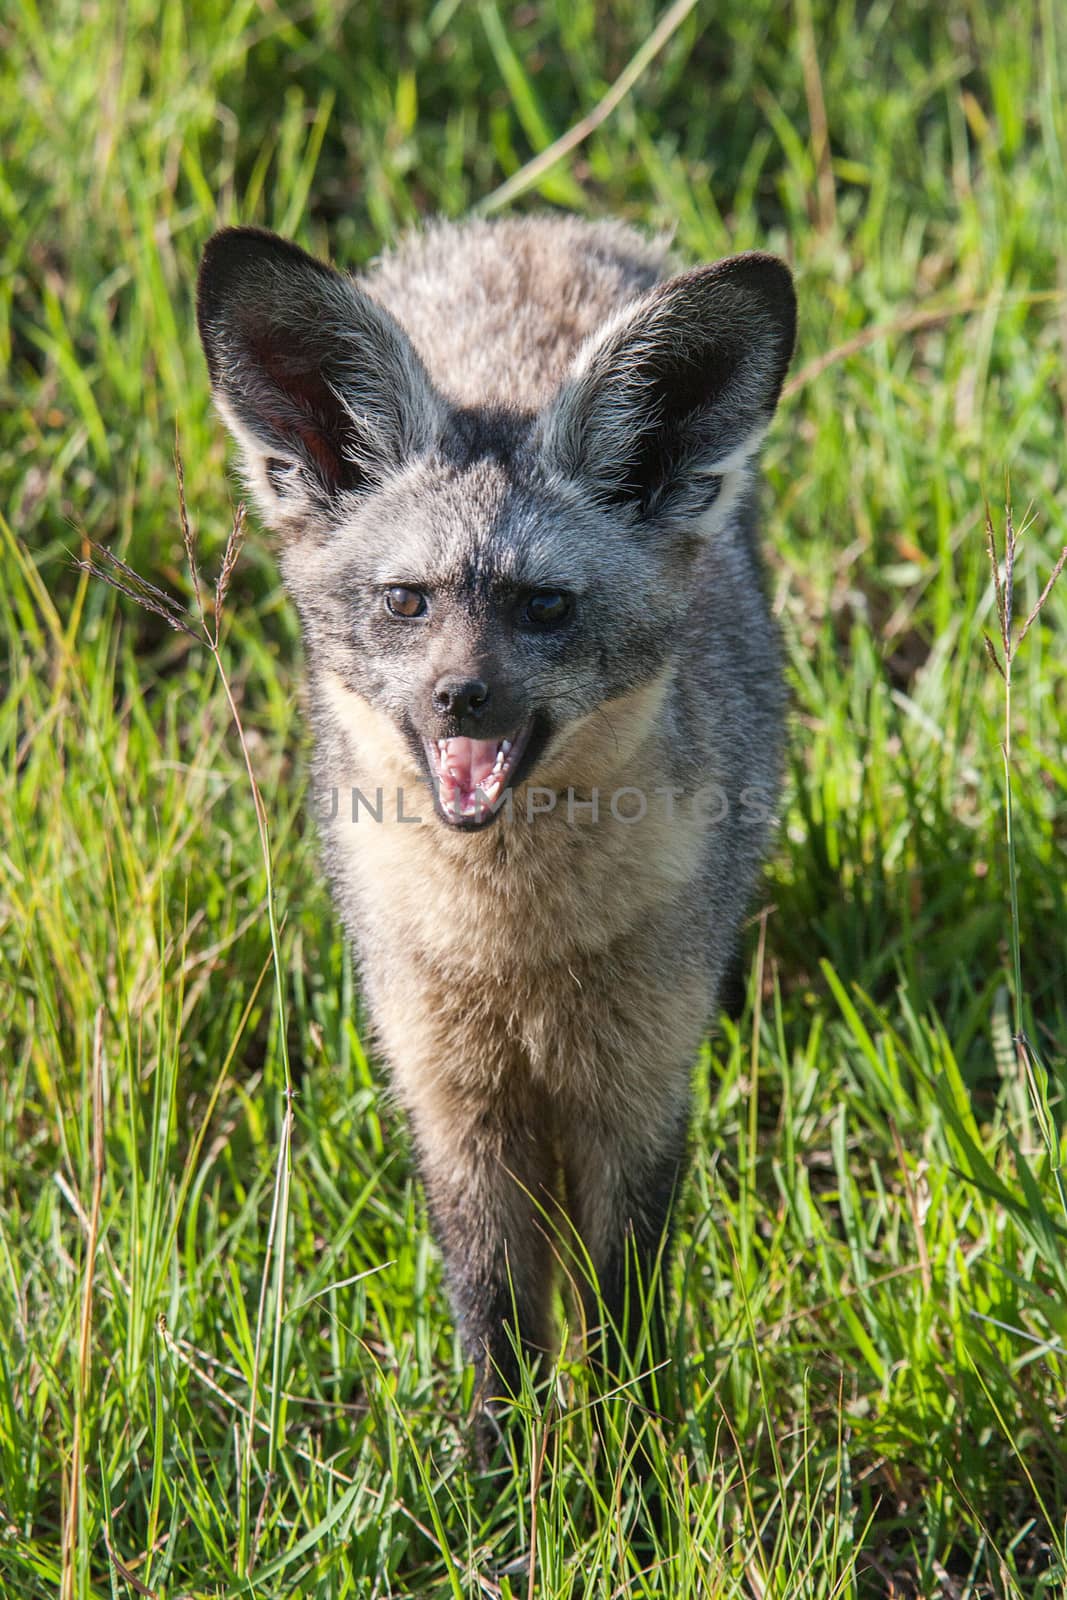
(871, 1333)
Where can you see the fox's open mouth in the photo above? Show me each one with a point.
(470, 775)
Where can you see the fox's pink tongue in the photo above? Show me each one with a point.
(468, 762)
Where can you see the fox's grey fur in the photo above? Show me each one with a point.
(550, 446)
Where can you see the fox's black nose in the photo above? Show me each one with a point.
(460, 697)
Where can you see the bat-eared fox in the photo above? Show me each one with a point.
(512, 472)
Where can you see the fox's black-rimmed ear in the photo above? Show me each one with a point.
(664, 406)
(319, 385)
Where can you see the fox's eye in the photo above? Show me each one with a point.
(548, 608)
(402, 602)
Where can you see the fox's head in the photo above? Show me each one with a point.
(489, 577)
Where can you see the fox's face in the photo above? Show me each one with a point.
(489, 578)
(488, 613)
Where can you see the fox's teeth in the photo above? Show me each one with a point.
(505, 746)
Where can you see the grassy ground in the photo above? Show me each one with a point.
(871, 1343)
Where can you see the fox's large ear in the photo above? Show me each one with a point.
(664, 406)
(320, 387)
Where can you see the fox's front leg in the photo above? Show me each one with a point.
(489, 1174)
(621, 1183)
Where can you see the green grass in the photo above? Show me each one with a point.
(872, 1338)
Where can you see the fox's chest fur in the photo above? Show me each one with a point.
(511, 469)
(549, 953)
(568, 951)
(525, 896)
